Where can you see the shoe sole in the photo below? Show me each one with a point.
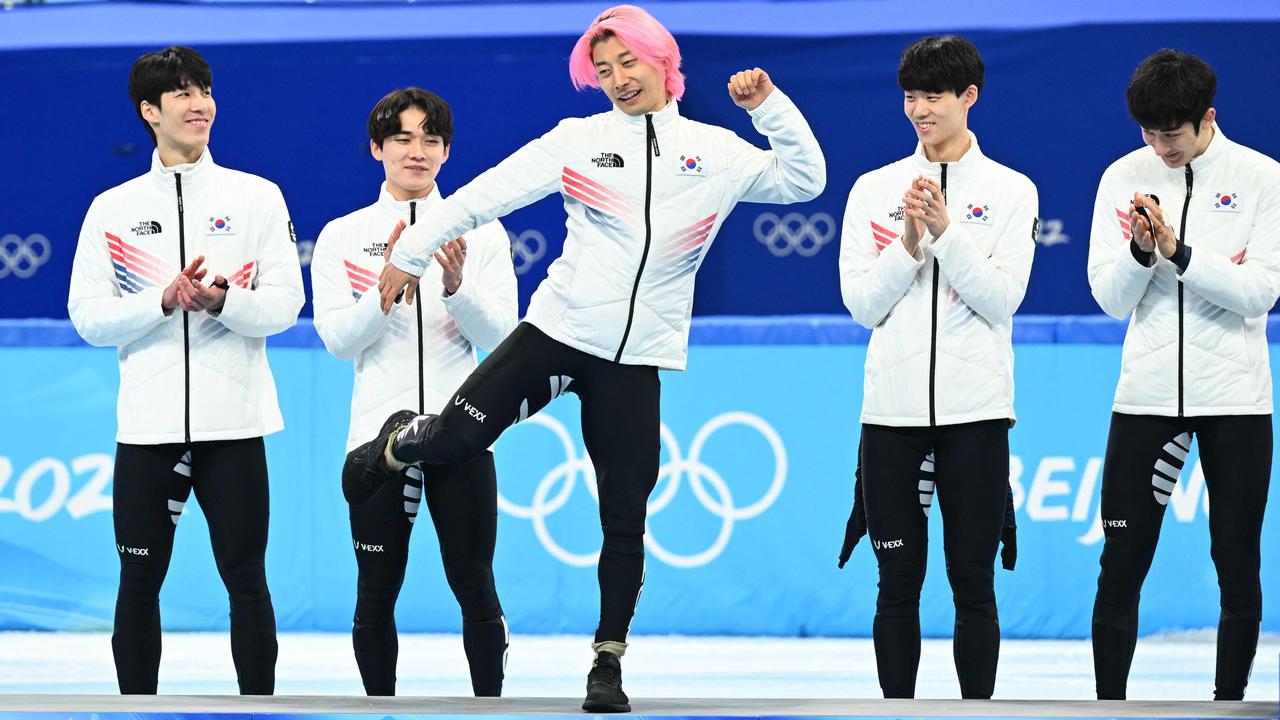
(605, 707)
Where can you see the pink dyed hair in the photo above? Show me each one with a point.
(640, 33)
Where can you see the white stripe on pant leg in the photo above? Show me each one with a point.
(1168, 470)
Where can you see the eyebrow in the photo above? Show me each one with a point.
(621, 56)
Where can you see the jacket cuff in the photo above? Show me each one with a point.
(463, 304)
(901, 261)
(941, 244)
(368, 309)
(775, 102)
(1145, 258)
(1181, 257)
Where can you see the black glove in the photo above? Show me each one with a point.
(1009, 535)
(856, 527)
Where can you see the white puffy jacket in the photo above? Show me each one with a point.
(394, 369)
(645, 198)
(1196, 343)
(188, 377)
(941, 350)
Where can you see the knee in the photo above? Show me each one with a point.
(900, 583)
(451, 447)
(247, 579)
(622, 539)
(473, 587)
(973, 589)
(140, 582)
(373, 611)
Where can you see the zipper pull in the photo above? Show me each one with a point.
(177, 179)
(1190, 179)
(413, 211)
(650, 135)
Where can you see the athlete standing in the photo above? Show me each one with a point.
(1197, 290)
(412, 357)
(196, 394)
(935, 255)
(646, 191)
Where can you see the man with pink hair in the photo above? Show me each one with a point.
(646, 191)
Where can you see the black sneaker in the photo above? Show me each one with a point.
(366, 471)
(604, 686)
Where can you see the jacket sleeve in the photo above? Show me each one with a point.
(526, 176)
(1117, 279)
(271, 304)
(100, 312)
(346, 325)
(993, 287)
(872, 281)
(793, 170)
(485, 305)
(1249, 288)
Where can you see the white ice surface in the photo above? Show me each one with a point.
(1178, 667)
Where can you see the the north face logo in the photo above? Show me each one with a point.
(606, 159)
(900, 214)
(147, 227)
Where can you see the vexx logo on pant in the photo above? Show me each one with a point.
(133, 551)
(472, 410)
(366, 547)
(887, 544)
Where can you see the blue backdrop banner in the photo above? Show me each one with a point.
(295, 85)
(745, 524)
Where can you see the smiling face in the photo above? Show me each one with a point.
(181, 122)
(635, 87)
(412, 157)
(940, 119)
(1179, 146)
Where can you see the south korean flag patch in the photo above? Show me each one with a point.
(977, 213)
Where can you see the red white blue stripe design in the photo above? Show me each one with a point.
(135, 269)
(595, 195)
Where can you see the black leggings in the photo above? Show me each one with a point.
(620, 428)
(463, 503)
(151, 486)
(1145, 455)
(969, 465)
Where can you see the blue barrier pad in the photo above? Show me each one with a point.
(758, 451)
(709, 330)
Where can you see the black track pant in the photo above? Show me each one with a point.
(463, 503)
(969, 464)
(620, 428)
(1145, 455)
(151, 486)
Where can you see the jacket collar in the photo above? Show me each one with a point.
(194, 175)
(663, 120)
(401, 208)
(965, 167)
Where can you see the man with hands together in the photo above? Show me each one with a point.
(1184, 245)
(935, 255)
(196, 393)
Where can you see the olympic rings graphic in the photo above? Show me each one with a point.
(21, 257)
(794, 232)
(527, 248)
(555, 487)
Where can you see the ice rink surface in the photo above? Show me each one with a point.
(1170, 667)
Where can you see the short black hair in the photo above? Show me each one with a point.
(157, 73)
(939, 63)
(1170, 88)
(384, 121)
